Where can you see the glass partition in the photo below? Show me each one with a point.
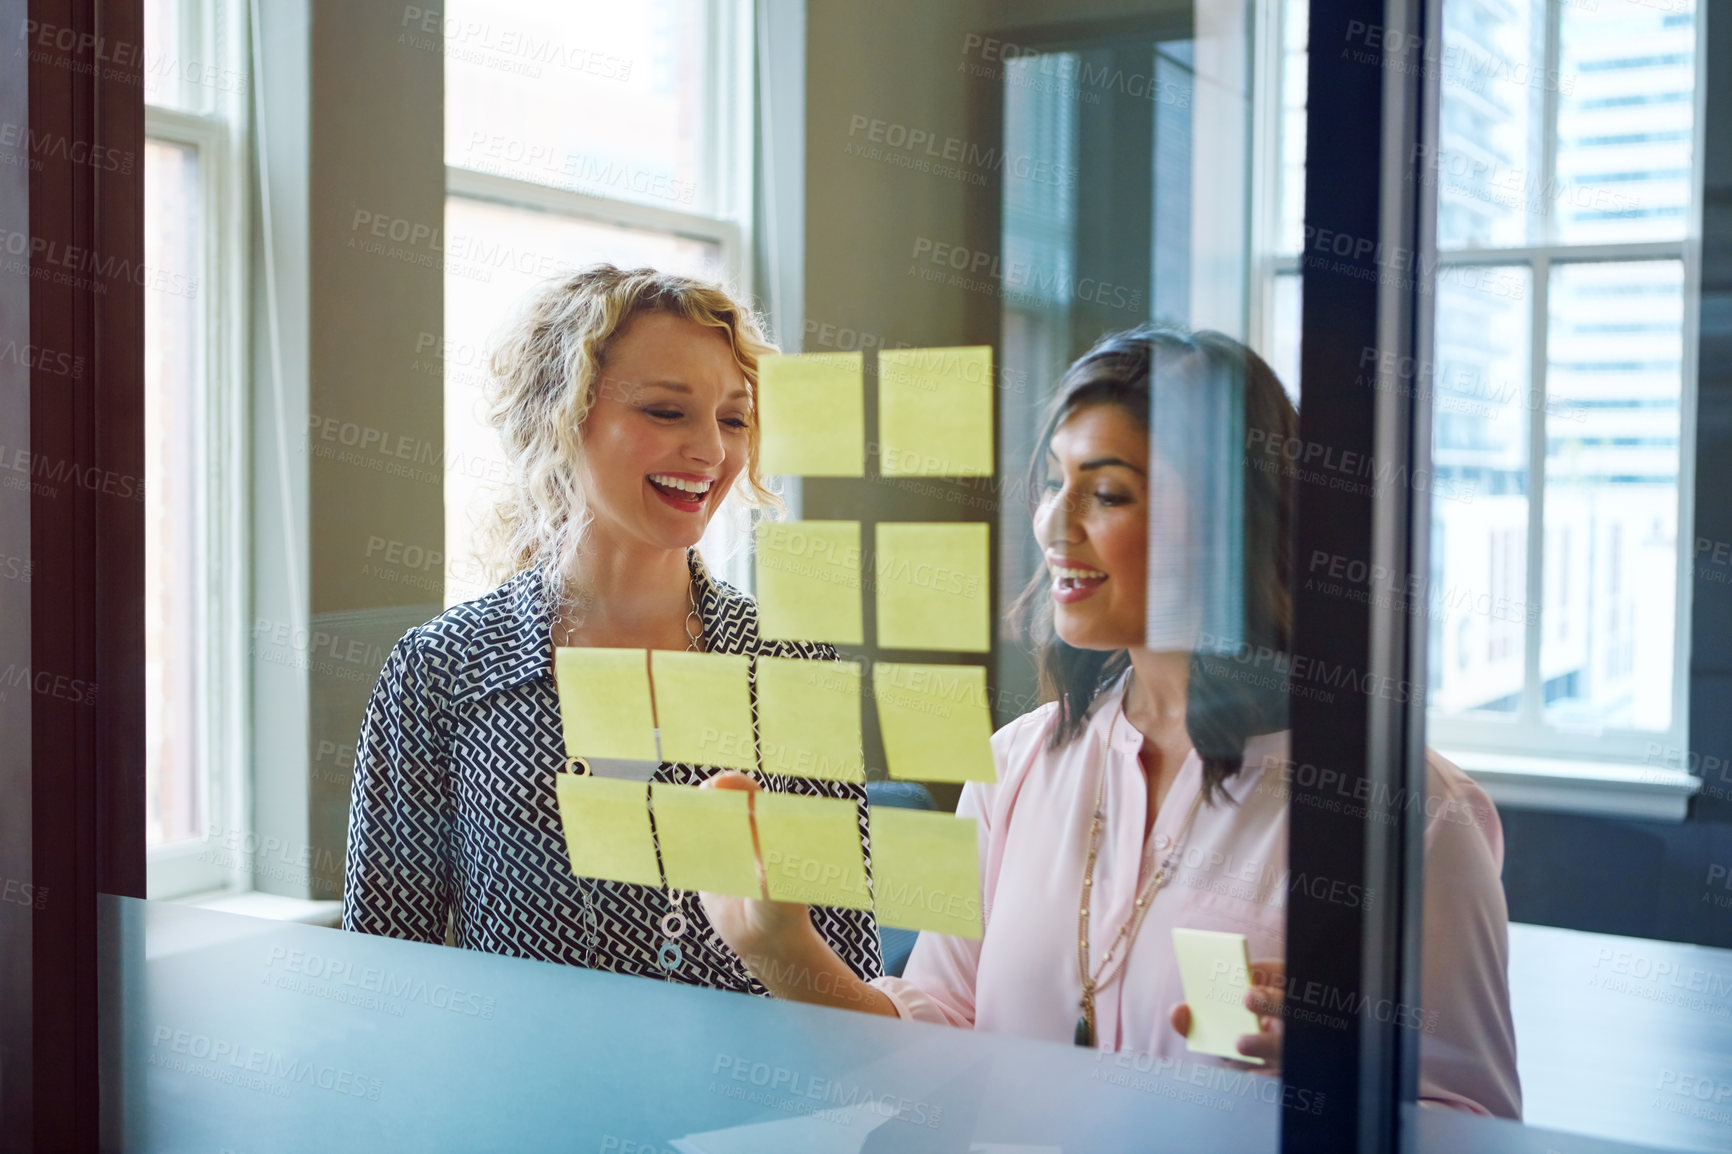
(1572, 402)
(1010, 656)
(358, 713)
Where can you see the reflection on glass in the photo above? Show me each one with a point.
(1040, 119)
(498, 253)
(173, 242)
(1480, 394)
(1614, 375)
(1625, 120)
(525, 80)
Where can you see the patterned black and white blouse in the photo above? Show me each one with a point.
(453, 810)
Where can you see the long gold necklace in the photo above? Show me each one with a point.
(1085, 1023)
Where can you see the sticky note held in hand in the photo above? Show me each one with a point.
(1215, 968)
(704, 707)
(935, 412)
(934, 721)
(607, 828)
(604, 702)
(705, 837)
(809, 718)
(811, 848)
(933, 585)
(809, 581)
(926, 871)
(812, 415)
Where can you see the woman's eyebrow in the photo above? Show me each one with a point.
(1102, 462)
(740, 394)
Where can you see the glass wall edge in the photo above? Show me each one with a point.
(1365, 115)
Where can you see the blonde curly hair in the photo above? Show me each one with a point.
(544, 375)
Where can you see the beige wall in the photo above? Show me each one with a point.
(910, 63)
(356, 117)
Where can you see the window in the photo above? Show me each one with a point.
(535, 186)
(194, 354)
(1565, 196)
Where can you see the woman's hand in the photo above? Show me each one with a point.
(1264, 998)
(778, 943)
(755, 927)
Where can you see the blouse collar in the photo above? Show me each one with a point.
(1112, 728)
(513, 637)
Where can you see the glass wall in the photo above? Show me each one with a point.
(1568, 173)
(385, 920)
(1007, 661)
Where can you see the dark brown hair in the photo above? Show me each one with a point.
(1225, 391)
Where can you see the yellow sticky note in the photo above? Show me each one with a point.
(607, 828)
(933, 586)
(809, 581)
(926, 871)
(705, 837)
(809, 718)
(812, 415)
(935, 722)
(811, 848)
(704, 707)
(604, 703)
(935, 412)
(1215, 968)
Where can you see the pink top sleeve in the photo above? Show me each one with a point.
(942, 971)
(1467, 1055)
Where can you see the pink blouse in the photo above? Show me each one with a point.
(1021, 978)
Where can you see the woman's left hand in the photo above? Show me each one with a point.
(1264, 997)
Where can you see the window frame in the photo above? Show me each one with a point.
(218, 132)
(1527, 761)
(727, 168)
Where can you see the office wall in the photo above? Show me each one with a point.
(876, 208)
(348, 458)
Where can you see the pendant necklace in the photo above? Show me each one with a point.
(674, 922)
(1104, 975)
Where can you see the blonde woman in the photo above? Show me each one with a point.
(624, 400)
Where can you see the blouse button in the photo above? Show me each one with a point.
(1162, 841)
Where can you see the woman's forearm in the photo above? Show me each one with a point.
(805, 969)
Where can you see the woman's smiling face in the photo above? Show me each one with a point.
(1092, 526)
(667, 434)
(1093, 522)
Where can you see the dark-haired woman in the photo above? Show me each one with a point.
(1151, 792)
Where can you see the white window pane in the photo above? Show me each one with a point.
(1284, 336)
(1491, 188)
(165, 31)
(1296, 22)
(173, 243)
(1481, 397)
(523, 247)
(1625, 120)
(594, 96)
(1613, 382)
